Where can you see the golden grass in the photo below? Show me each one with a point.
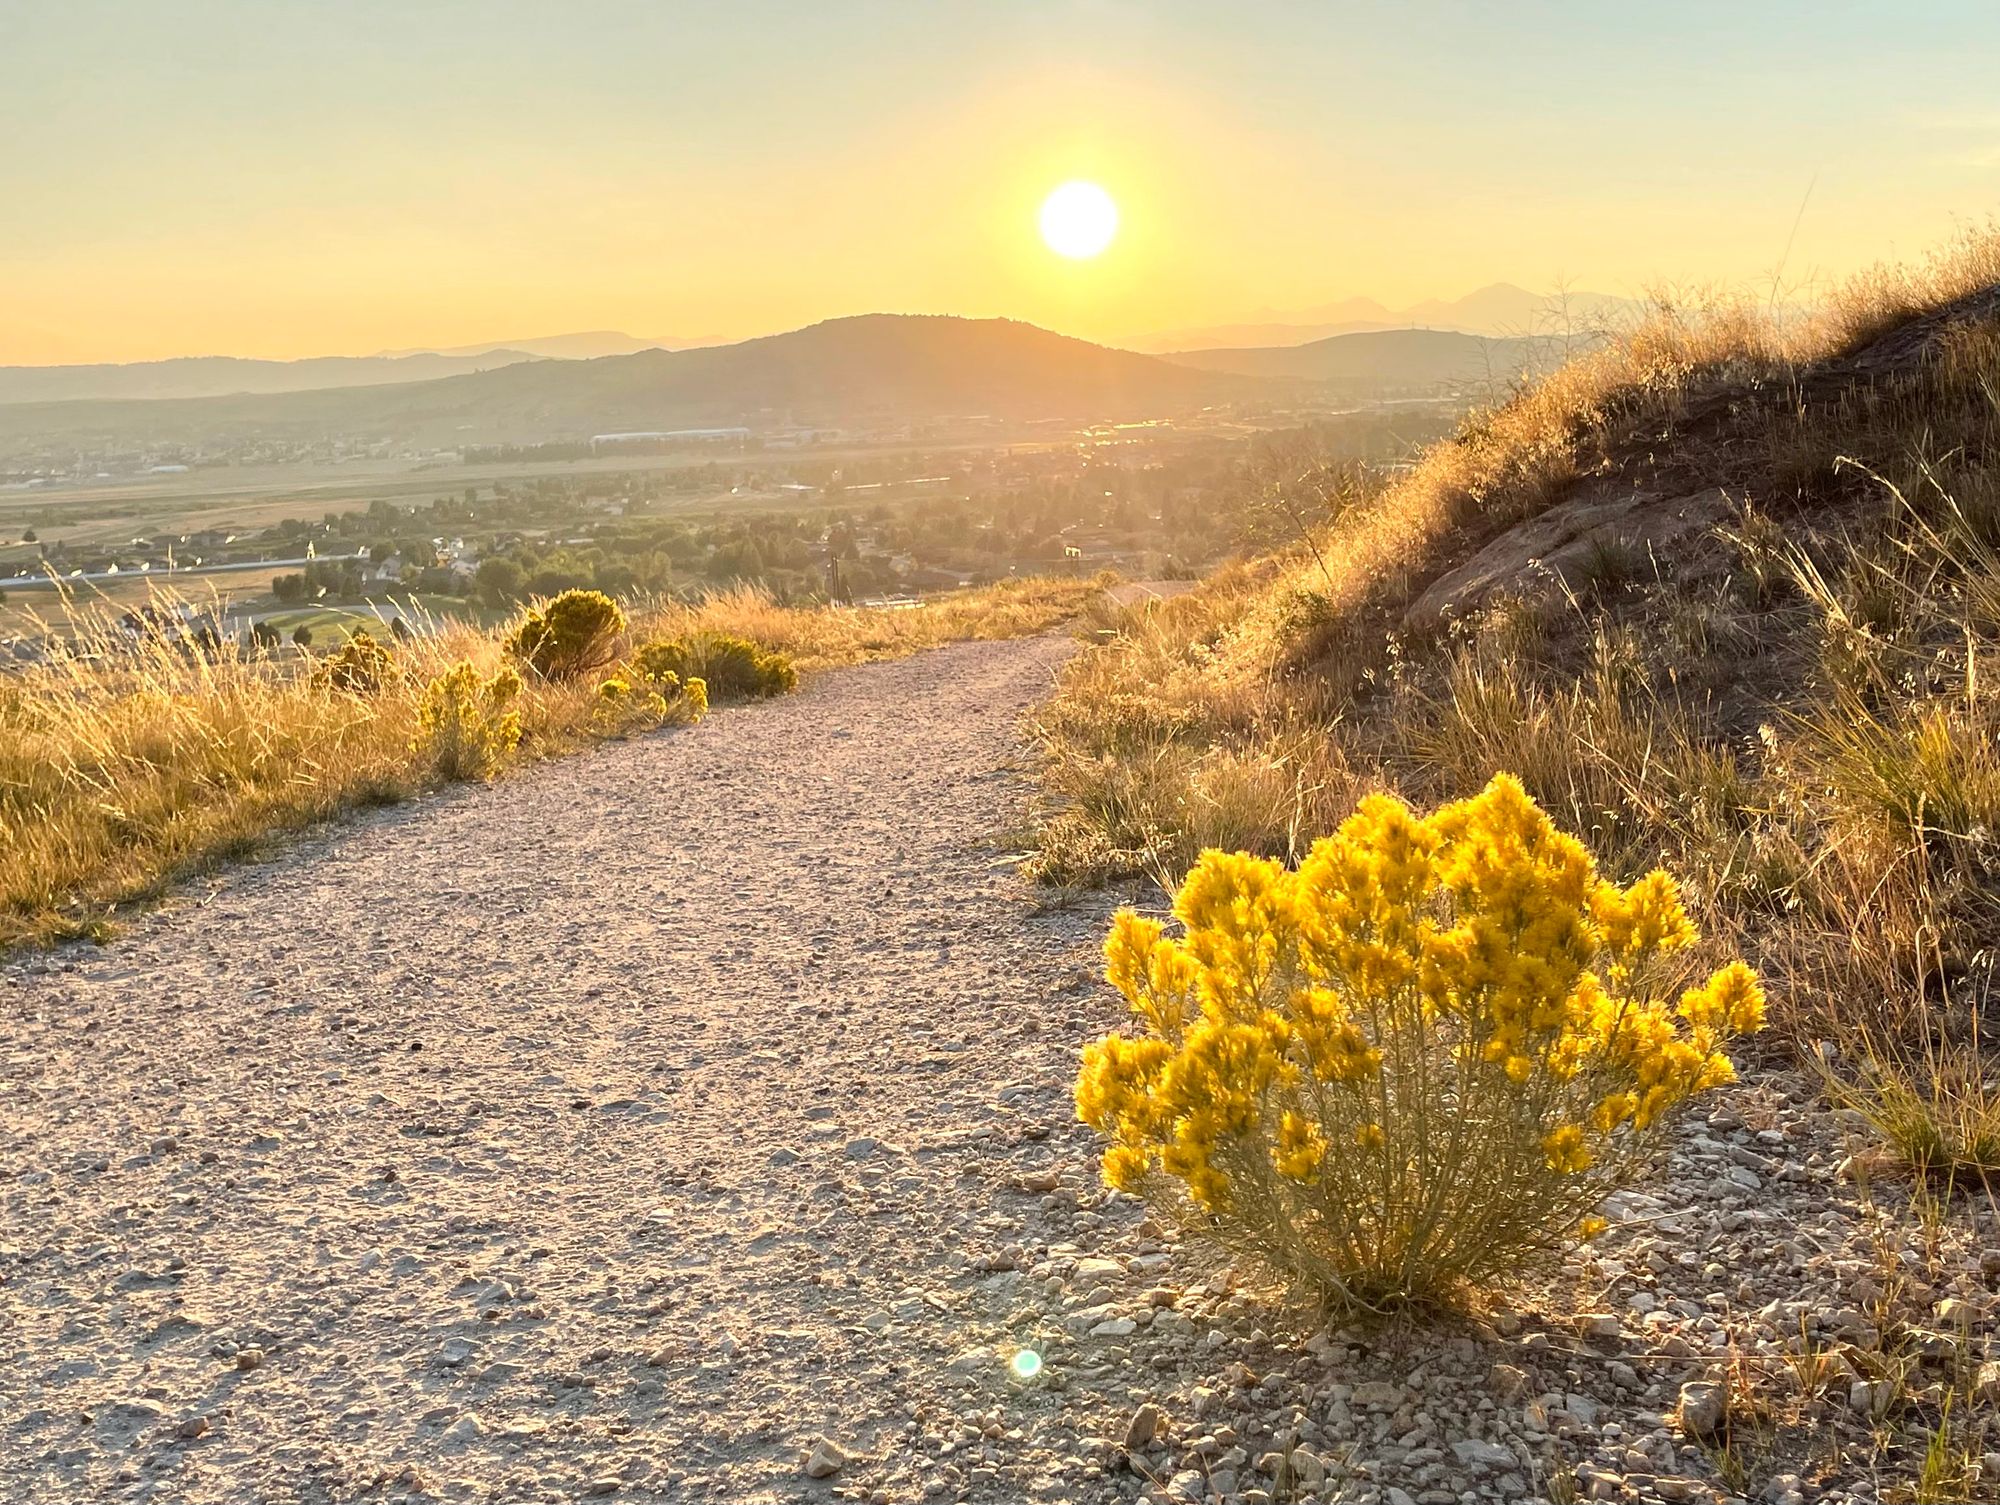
(129, 764)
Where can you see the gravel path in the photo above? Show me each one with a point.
(628, 1123)
(690, 1121)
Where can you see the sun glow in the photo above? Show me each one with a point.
(1079, 220)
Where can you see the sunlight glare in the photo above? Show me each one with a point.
(1079, 220)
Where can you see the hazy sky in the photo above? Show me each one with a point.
(293, 177)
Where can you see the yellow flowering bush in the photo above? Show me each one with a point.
(645, 699)
(1417, 1060)
(568, 637)
(467, 725)
(361, 667)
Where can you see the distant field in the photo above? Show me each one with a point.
(246, 591)
(250, 497)
(24, 609)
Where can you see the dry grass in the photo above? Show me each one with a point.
(129, 764)
(1797, 711)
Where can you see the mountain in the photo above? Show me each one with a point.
(223, 375)
(875, 368)
(1382, 359)
(1501, 309)
(584, 346)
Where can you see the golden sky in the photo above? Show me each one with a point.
(271, 178)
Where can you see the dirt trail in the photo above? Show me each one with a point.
(619, 1129)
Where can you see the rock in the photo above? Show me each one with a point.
(860, 1147)
(1306, 1468)
(1377, 1393)
(1143, 1428)
(1600, 1325)
(825, 1460)
(599, 1487)
(1489, 1457)
(1704, 1409)
(193, 1427)
(1508, 1382)
(783, 1155)
(1952, 1312)
(249, 1358)
(1986, 1384)
(465, 1429)
(453, 1352)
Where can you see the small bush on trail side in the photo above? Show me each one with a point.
(467, 726)
(570, 636)
(1415, 1062)
(731, 668)
(361, 667)
(654, 700)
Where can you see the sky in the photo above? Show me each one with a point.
(283, 178)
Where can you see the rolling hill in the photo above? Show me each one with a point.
(873, 368)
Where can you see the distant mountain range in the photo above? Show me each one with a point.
(586, 346)
(228, 375)
(1499, 310)
(1391, 359)
(874, 371)
(224, 375)
(875, 368)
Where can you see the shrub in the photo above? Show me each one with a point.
(361, 667)
(1417, 1060)
(467, 726)
(653, 700)
(731, 668)
(568, 637)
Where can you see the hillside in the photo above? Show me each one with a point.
(1723, 599)
(877, 367)
(1382, 359)
(225, 375)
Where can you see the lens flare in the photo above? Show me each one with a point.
(1025, 1365)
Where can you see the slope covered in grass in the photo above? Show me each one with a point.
(1725, 594)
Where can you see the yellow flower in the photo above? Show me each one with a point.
(1566, 1151)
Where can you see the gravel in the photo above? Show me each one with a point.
(690, 1121)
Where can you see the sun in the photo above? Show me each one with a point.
(1079, 220)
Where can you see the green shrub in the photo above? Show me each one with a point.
(731, 668)
(361, 667)
(468, 726)
(568, 637)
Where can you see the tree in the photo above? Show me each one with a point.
(289, 589)
(303, 635)
(500, 580)
(264, 635)
(31, 536)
